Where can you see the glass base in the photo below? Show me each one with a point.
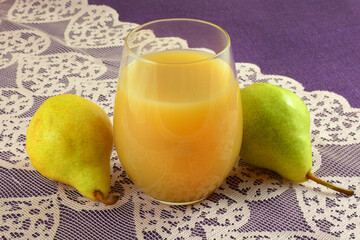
(179, 204)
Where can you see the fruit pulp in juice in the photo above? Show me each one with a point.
(178, 124)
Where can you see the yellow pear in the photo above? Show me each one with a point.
(70, 140)
(277, 133)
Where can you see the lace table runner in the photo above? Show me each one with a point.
(50, 48)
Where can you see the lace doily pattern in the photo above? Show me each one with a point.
(55, 74)
(37, 11)
(31, 218)
(252, 203)
(21, 41)
(96, 27)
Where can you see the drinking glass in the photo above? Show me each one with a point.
(178, 115)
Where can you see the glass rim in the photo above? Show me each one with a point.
(140, 57)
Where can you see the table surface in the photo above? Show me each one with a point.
(310, 47)
(315, 42)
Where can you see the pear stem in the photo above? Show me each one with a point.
(311, 176)
(99, 196)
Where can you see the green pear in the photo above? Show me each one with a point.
(70, 140)
(277, 133)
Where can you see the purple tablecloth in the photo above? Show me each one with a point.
(315, 42)
(49, 48)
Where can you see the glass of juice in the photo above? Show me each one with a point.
(178, 115)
